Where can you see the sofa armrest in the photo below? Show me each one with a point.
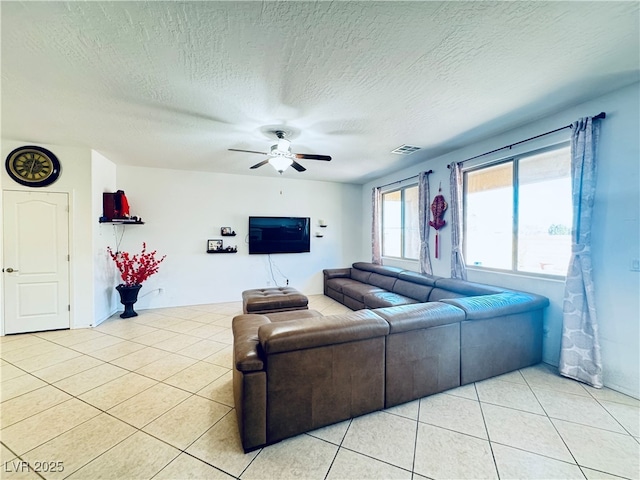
(247, 355)
(497, 305)
(334, 329)
(337, 273)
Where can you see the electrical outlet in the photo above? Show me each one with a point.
(268, 283)
(635, 265)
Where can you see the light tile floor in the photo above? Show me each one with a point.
(151, 397)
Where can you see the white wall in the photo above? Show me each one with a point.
(183, 209)
(105, 297)
(75, 179)
(615, 230)
(616, 240)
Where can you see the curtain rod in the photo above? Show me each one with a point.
(596, 117)
(405, 179)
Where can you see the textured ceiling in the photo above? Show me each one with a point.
(175, 84)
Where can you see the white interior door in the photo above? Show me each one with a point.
(36, 261)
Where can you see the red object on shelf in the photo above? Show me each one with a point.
(115, 205)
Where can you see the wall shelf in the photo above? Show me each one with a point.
(122, 222)
(215, 245)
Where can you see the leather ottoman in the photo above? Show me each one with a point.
(276, 299)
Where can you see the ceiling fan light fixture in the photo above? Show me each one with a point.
(280, 155)
(284, 145)
(280, 163)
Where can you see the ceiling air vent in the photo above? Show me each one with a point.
(405, 150)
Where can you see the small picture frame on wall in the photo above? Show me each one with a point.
(226, 231)
(214, 245)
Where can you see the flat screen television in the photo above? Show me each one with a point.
(279, 234)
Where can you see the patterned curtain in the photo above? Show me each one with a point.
(423, 223)
(580, 347)
(458, 267)
(376, 201)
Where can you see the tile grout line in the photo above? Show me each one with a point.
(19, 458)
(337, 450)
(613, 416)
(415, 440)
(590, 396)
(554, 425)
(486, 429)
(372, 458)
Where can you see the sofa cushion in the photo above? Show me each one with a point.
(420, 315)
(413, 290)
(466, 288)
(419, 278)
(439, 294)
(334, 329)
(386, 299)
(354, 305)
(380, 269)
(357, 290)
(499, 304)
(292, 315)
(360, 275)
(382, 281)
(338, 283)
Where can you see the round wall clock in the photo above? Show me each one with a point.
(33, 166)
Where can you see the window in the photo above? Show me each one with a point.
(400, 234)
(518, 213)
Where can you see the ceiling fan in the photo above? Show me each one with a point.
(281, 157)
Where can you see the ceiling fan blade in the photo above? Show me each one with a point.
(247, 151)
(308, 156)
(297, 166)
(257, 165)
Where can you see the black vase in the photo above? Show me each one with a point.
(128, 296)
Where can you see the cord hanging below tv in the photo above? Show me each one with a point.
(279, 235)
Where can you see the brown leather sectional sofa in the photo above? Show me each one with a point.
(411, 336)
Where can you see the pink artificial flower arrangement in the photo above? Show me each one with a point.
(135, 269)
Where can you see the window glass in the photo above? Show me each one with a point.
(392, 224)
(518, 214)
(489, 216)
(545, 213)
(400, 230)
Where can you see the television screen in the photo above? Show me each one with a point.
(279, 234)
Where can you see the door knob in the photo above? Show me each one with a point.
(10, 270)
